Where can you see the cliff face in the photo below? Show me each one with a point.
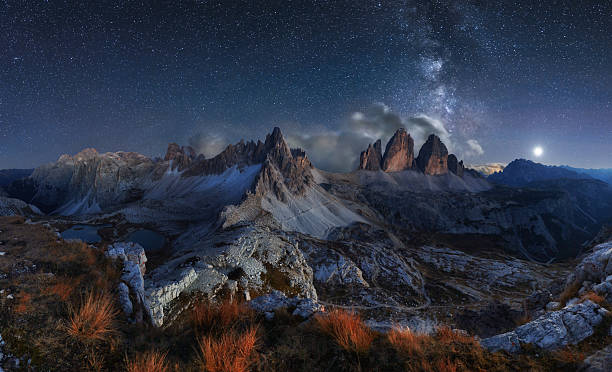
(455, 166)
(399, 153)
(433, 157)
(371, 158)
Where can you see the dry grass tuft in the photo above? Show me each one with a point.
(348, 329)
(407, 342)
(63, 288)
(94, 320)
(151, 361)
(207, 315)
(445, 365)
(590, 295)
(569, 292)
(568, 356)
(446, 335)
(232, 352)
(95, 361)
(24, 304)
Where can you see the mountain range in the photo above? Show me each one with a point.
(263, 210)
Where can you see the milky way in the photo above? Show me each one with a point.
(500, 79)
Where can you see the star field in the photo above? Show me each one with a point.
(119, 75)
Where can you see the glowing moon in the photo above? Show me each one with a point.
(538, 151)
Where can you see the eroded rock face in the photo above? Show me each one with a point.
(594, 272)
(181, 157)
(133, 257)
(371, 158)
(433, 157)
(552, 330)
(253, 258)
(455, 166)
(269, 303)
(399, 153)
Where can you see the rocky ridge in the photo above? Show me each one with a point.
(433, 158)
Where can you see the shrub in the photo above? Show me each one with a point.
(151, 361)
(207, 315)
(94, 320)
(232, 352)
(347, 329)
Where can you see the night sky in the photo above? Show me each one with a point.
(495, 81)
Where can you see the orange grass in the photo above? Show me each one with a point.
(590, 295)
(232, 352)
(151, 361)
(348, 329)
(63, 288)
(405, 341)
(24, 303)
(94, 320)
(207, 315)
(447, 335)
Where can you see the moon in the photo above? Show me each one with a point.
(538, 151)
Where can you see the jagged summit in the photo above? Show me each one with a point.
(371, 158)
(399, 153)
(181, 157)
(433, 158)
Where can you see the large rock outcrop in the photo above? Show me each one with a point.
(552, 330)
(399, 152)
(433, 156)
(455, 166)
(371, 158)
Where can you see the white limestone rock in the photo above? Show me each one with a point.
(552, 330)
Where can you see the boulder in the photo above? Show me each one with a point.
(399, 152)
(552, 330)
(132, 281)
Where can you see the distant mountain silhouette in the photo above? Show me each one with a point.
(600, 174)
(7, 176)
(521, 172)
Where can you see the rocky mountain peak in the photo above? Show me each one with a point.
(433, 156)
(399, 152)
(181, 157)
(88, 153)
(455, 166)
(371, 158)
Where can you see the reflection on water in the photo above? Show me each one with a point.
(86, 233)
(150, 240)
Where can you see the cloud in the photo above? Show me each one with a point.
(474, 148)
(209, 144)
(339, 150)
